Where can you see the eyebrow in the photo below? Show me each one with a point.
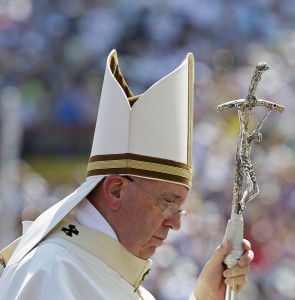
(171, 195)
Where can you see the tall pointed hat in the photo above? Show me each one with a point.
(147, 135)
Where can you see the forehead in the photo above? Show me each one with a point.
(173, 190)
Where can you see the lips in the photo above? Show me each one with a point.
(159, 240)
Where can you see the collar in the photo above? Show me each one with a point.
(87, 215)
(105, 248)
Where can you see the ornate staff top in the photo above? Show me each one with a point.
(244, 167)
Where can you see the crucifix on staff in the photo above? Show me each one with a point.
(244, 171)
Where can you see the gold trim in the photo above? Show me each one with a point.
(139, 157)
(2, 262)
(140, 165)
(118, 75)
(191, 69)
(130, 163)
(143, 173)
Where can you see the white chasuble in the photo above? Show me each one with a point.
(76, 262)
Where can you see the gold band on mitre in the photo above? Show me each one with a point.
(140, 165)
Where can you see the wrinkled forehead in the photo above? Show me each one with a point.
(176, 190)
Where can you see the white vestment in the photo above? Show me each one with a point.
(77, 262)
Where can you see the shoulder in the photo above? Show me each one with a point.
(46, 254)
(37, 274)
(55, 268)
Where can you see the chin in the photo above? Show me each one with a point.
(148, 253)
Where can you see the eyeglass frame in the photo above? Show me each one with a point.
(172, 208)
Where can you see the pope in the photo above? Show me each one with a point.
(97, 242)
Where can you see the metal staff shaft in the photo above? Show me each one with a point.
(230, 293)
(244, 171)
(235, 233)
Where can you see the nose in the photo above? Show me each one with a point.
(174, 222)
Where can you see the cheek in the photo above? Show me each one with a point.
(143, 212)
(143, 218)
(147, 222)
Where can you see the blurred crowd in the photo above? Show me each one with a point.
(52, 59)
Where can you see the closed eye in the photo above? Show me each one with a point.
(168, 201)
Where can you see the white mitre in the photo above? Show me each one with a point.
(148, 135)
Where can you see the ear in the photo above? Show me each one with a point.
(113, 190)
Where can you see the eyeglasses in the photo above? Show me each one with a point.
(171, 207)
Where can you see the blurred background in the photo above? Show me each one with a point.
(52, 60)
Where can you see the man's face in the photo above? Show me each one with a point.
(142, 226)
